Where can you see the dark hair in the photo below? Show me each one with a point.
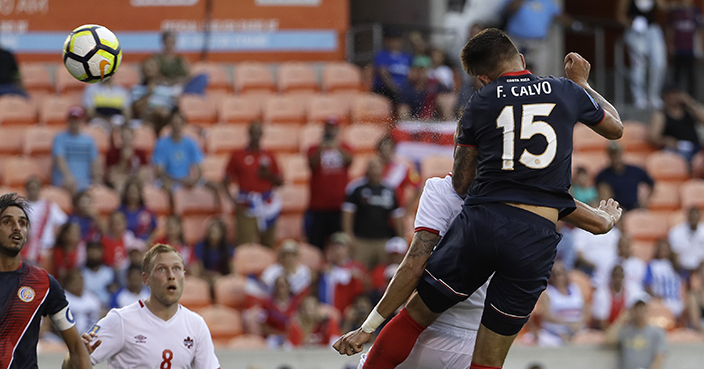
(132, 181)
(62, 234)
(384, 140)
(166, 34)
(222, 246)
(134, 268)
(78, 196)
(13, 199)
(94, 245)
(487, 52)
(181, 237)
(581, 170)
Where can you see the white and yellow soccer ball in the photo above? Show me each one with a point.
(92, 53)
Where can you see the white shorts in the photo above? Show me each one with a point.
(439, 348)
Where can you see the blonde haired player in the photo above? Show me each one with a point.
(156, 332)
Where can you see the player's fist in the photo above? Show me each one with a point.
(352, 342)
(612, 208)
(88, 341)
(577, 68)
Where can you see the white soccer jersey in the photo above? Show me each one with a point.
(133, 337)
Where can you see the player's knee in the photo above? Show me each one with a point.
(503, 323)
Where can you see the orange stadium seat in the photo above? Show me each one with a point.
(645, 225)
(667, 166)
(303, 99)
(341, 76)
(240, 109)
(54, 110)
(676, 217)
(635, 138)
(295, 168)
(363, 138)
(100, 137)
(213, 167)
(692, 193)
(280, 137)
(19, 169)
(247, 342)
(359, 165)
(635, 158)
(643, 250)
(320, 108)
(593, 162)
(665, 196)
(371, 108)
(347, 99)
(197, 109)
(196, 293)
(224, 323)
(289, 226)
(195, 201)
(296, 76)
(36, 78)
(218, 76)
(144, 138)
(105, 199)
(225, 138)
(309, 135)
(310, 256)
(194, 228)
(435, 166)
(253, 77)
(157, 200)
(294, 198)
(584, 139)
(284, 109)
(16, 110)
(60, 196)
(252, 258)
(66, 83)
(11, 140)
(230, 290)
(127, 76)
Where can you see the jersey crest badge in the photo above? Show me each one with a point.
(94, 329)
(26, 294)
(188, 342)
(140, 339)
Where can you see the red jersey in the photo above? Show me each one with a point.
(329, 179)
(342, 284)
(114, 251)
(138, 159)
(322, 335)
(399, 175)
(243, 168)
(278, 316)
(65, 260)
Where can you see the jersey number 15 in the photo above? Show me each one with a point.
(529, 128)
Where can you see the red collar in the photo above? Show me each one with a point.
(516, 73)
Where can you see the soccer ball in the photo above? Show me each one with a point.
(92, 53)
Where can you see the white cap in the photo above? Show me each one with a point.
(396, 245)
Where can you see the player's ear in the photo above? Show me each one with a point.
(523, 60)
(145, 279)
(485, 80)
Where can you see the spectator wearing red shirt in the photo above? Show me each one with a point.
(257, 207)
(342, 279)
(609, 301)
(381, 274)
(68, 253)
(117, 241)
(312, 326)
(174, 237)
(278, 309)
(329, 164)
(398, 175)
(124, 161)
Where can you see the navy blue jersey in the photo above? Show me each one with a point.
(522, 126)
(26, 295)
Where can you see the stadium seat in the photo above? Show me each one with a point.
(11, 140)
(321, 108)
(218, 76)
(310, 256)
(635, 158)
(252, 258)
(213, 167)
(289, 226)
(36, 78)
(435, 166)
(196, 293)
(635, 138)
(253, 77)
(195, 201)
(665, 197)
(667, 166)
(309, 135)
(100, 137)
(659, 315)
(593, 162)
(643, 250)
(54, 110)
(230, 290)
(359, 165)
(692, 193)
(194, 228)
(225, 138)
(240, 109)
(66, 83)
(156, 200)
(60, 196)
(586, 140)
(296, 76)
(645, 225)
(371, 108)
(348, 99)
(16, 110)
(294, 198)
(676, 218)
(363, 138)
(280, 138)
(684, 335)
(295, 168)
(105, 199)
(284, 109)
(247, 342)
(341, 77)
(144, 138)
(19, 169)
(224, 323)
(127, 75)
(590, 337)
(583, 281)
(197, 109)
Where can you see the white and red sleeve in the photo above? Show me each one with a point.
(434, 212)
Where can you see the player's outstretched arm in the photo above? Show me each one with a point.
(595, 220)
(78, 356)
(399, 290)
(464, 168)
(577, 69)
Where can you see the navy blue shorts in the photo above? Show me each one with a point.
(516, 245)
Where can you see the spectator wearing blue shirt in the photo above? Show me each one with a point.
(177, 158)
(140, 220)
(75, 155)
(621, 181)
(214, 254)
(662, 280)
(391, 67)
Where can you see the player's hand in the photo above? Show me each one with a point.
(88, 339)
(612, 208)
(351, 343)
(577, 68)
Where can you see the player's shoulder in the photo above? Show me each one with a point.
(439, 185)
(191, 317)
